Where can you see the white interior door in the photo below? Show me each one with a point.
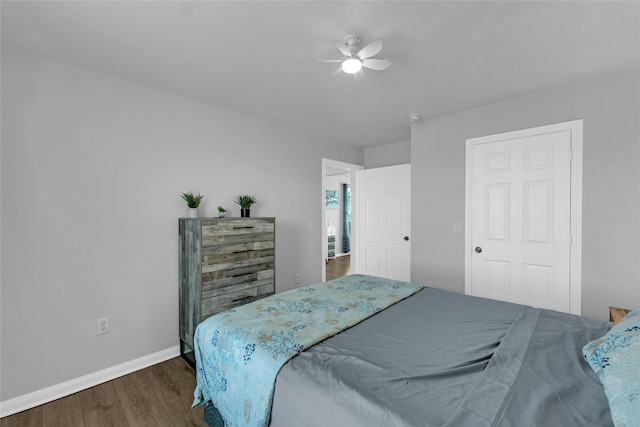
(384, 222)
(519, 208)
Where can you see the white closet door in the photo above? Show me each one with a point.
(520, 219)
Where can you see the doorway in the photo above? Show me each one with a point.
(523, 210)
(338, 219)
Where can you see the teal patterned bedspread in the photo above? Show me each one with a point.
(240, 351)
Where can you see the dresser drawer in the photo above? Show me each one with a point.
(236, 264)
(220, 287)
(243, 278)
(238, 233)
(229, 300)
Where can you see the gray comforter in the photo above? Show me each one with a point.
(444, 359)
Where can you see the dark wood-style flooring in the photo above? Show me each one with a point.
(157, 396)
(338, 267)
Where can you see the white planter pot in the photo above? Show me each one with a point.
(192, 213)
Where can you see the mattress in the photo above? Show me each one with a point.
(439, 358)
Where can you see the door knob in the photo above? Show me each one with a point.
(406, 238)
(478, 249)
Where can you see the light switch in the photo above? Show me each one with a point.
(457, 227)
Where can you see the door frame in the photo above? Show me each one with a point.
(575, 267)
(347, 167)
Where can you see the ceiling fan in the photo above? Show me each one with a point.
(356, 57)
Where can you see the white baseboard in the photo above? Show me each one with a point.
(45, 395)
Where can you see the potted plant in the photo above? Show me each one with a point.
(221, 212)
(193, 201)
(245, 202)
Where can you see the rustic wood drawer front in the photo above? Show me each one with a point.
(224, 263)
(229, 300)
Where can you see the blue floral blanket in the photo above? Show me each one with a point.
(240, 351)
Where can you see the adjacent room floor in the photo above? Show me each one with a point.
(338, 267)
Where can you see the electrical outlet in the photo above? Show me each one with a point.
(102, 325)
(297, 279)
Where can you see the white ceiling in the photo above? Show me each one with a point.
(256, 57)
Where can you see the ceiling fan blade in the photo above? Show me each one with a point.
(376, 64)
(342, 48)
(336, 72)
(359, 75)
(370, 50)
(327, 60)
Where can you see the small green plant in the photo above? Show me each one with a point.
(193, 201)
(221, 209)
(245, 201)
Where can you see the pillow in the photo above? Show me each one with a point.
(615, 358)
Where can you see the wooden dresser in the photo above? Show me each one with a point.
(331, 246)
(331, 242)
(223, 263)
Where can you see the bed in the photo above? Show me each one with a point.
(409, 355)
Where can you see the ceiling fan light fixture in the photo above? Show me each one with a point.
(351, 65)
(355, 59)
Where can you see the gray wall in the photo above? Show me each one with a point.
(395, 154)
(92, 169)
(611, 186)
